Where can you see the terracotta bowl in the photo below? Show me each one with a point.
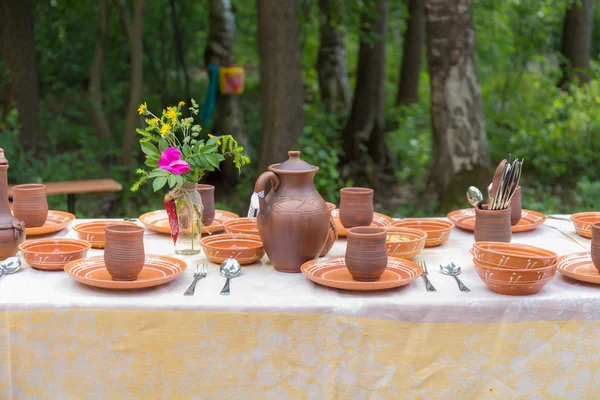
(583, 222)
(512, 255)
(516, 289)
(247, 249)
(438, 231)
(404, 242)
(241, 225)
(517, 276)
(53, 254)
(93, 232)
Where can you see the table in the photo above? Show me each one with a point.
(71, 188)
(280, 336)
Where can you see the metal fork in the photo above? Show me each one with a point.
(428, 284)
(201, 271)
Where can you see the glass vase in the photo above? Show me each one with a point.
(188, 204)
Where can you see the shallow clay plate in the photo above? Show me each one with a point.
(158, 221)
(157, 270)
(53, 254)
(583, 222)
(379, 220)
(465, 219)
(57, 220)
(332, 272)
(579, 266)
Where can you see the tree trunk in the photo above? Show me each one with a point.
(95, 88)
(577, 42)
(179, 51)
(18, 50)
(135, 84)
(408, 89)
(332, 64)
(459, 142)
(366, 154)
(281, 91)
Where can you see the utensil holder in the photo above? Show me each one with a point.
(366, 253)
(515, 207)
(356, 207)
(595, 248)
(30, 204)
(124, 254)
(492, 225)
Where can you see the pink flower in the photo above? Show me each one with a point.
(170, 160)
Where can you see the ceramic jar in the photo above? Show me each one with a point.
(30, 204)
(293, 219)
(124, 251)
(595, 249)
(492, 225)
(356, 207)
(515, 207)
(366, 253)
(207, 193)
(333, 234)
(12, 230)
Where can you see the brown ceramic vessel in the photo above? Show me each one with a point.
(12, 230)
(124, 251)
(293, 220)
(30, 204)
(492, 225)
(356, 207)
(53, 254)
(366, 253)
(515, 207)
(333, 233)
(595, 249)
(207, 193)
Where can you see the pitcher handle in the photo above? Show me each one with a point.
(261, 184)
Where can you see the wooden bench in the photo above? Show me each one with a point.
(72, 188)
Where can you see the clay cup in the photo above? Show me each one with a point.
(595, 249)
(366, 253)
(515, 207)
(356, 207)
(30, 204)
(124, 251)
(207, 194)
(492, 225)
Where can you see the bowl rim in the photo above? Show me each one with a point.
(25, 246)
(81, 228)
(526, 246)
(209, 240)
(576, 217)
(423, 236)
(551, 266)
(447, 224)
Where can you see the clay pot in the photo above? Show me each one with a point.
(333, 234)
(293, 219)
(366, 253)
(515, 207)
(595, 249)
(492, 225)
(207, 193)
(356, 207)
(30, 204)
(12, 230)
(124, 251)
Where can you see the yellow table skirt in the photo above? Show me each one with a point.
(125, 354)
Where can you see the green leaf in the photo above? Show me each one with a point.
(151, 162)
(150, 149)
(159, 183)
(213, 160)
(157, 173)
(209, 148)
(163, 144)
(172, 180)
(213, 140)
(179, 179)
(186, 150)
(220, 157)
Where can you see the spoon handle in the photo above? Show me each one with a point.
(461, 285)
(225, 290)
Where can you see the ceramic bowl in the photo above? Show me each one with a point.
(583, 222)
(438, 231)
(404, 242)
(512, 255)
(241, 225)
(247, 249)
(93, 232)
(509, 276)
(53, 254)
(516, 289)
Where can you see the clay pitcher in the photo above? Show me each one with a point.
(12, 230)
(293, 219)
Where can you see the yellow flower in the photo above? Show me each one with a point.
(154, 122)
(143, 109)
(212, 136)
(171, 113)
(181, 103)
(165, 129)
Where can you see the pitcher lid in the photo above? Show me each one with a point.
(3, 160)
(294, 163)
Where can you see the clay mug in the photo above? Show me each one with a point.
(595, 249)
(492, 225)
(207, 193)
(333, 234)
(30, 204)
(124, 251)
(515, 207)
(366, 253)
(356, 207)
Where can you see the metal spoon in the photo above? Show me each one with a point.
(474, 196)
(230, 268)
(453, 270)
(9, 266)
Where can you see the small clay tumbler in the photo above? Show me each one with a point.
(595, 250)
(30, 204)
(207, 194)
(333, 234)
(356, 207)
(366, 254)
(515, 207)
(492, 225)
(124, 251)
